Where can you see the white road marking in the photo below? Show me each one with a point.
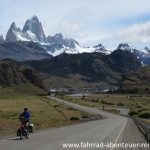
(121, 130)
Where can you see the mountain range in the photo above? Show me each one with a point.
(32, 32)
(61, 62)
(90, 68)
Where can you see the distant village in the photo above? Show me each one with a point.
(81, 90)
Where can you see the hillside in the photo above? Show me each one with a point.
(137, 81)
(89, 67)
(12, 73)
(22, 51)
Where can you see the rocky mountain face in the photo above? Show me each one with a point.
(54, 45)
(93, 67)
(22, 51)
(142, 54)
(32, 31)
(123, 61)
(58, 39)
(13, 73)
(14, 33)
(34, 26)
(101, 49)
(58, 45)
(137, 81)
(1, 38)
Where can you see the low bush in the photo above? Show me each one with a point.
(120, 104)
(107, 103)
(143, 109)
(55, 106)
(70, 108)
(95, 100)
(139, 107)
(84, 115)
(145, 115)
(133, 113)
(73, 118)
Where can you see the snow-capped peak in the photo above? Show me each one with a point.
(14, 33)
(140, 53)
(99, 46)
(57, 44)
(13, 27)
(59, 35)
(31, 36)
(101, 49)
(125, 46)
(147, 49)
(34, 25)
(34, 17)
(32, 31)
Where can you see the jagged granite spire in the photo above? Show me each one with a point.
(124, 46)
(12, 34)
(58, 39)
(34, 25)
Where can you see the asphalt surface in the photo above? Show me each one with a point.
(135, 137)
(102, 131)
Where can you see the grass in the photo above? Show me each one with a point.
(112, 110)
(45, 113)
(147, 122)
(20, 91)
(86, 102)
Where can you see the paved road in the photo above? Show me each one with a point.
(105, 130)
(135, 137)
(123, 111)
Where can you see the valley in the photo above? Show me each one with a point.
(73, 91)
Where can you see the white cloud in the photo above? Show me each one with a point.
(94, 40)
(137, 33)
(70, 29)
(88, 21)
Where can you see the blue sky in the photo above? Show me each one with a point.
(88, 21)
